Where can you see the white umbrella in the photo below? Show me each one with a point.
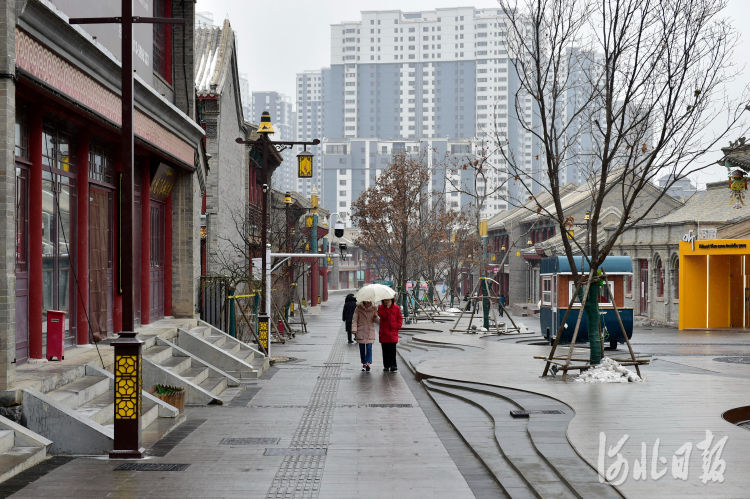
(374, 292)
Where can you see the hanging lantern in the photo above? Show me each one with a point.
(305, 164)
(737, 186)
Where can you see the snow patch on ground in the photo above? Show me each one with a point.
(453, 310)
(609, 371)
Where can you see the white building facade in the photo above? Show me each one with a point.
(401, 80)
(284, 121)
(310, 125)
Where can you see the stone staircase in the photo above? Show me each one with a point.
(77, 414)
(165, 363)
(223, 351)
(20, 448)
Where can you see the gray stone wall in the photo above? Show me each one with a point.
(653, 243)
(186, 195)
(7, 191)
(182, 56)
(226, 183)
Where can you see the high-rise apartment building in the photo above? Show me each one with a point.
(310, 124)
(434, 83)
(281, 108)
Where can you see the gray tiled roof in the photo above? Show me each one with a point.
(711, 205)
(213, 53)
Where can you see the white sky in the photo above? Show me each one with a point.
(279, 38)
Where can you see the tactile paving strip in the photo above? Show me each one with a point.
(301, 471)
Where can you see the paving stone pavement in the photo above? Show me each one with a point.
(313, 427)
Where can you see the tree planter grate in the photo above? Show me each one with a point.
(151, 467)
(525, 414)
(250, 441)
(389, 406)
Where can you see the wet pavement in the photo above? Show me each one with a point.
(315, 426)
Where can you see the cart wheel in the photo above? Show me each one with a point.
(613, 344)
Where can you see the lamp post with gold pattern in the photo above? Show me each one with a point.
(127, 403)
(267, 148)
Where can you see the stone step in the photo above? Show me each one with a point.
(231, 347)
(192, 377)
(158, 353)
(99, 409)
(215, 385)
(197, 374)
(176, 363)
(223, 352)
(80, 391)
(84, 428)
(7, 440)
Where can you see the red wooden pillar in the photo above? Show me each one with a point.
(168, 257)
(146, 246)
(82, 166)
(324, 273)
(314, 283)
(35, 234)
(117, 299)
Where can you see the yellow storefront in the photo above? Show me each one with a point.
(714, 284)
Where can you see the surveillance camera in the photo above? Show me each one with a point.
(265, 188)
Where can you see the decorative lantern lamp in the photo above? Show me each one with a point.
(305, 164)
(127, 397)
(288, 198)
(587, 216)
(265, 123)
(738, 186)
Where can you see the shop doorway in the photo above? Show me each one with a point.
(22, 264)
(101, 206)
(156, 267)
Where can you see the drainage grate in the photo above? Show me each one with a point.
(151, 467)
(174, 437)
(525, 414)
(388, 405)
(250, 441)
(275, 451)
(278, 406)
(334, 377)
(734, 359)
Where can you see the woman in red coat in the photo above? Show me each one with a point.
(391, 321)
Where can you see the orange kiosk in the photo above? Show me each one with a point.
(714, 284)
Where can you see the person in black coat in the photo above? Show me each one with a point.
(349, 305)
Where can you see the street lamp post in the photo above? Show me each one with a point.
(266, 148)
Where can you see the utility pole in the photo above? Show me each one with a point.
(127, 429)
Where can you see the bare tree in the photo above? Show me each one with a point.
(622, 90)
(394, 217)
(479, 178)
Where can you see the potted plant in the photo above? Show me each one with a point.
(172, 395)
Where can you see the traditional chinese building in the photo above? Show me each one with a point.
(654, 291)
(231, 184)
(60, 119)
